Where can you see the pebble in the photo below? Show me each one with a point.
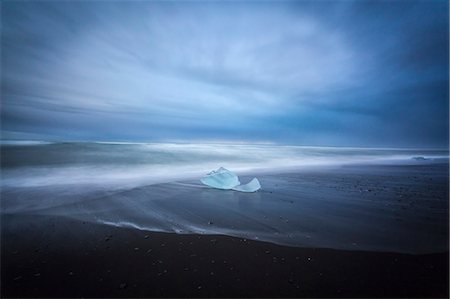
(146, 237)
(70, 273)
(123, 285)
(267, 251)
(136, 248)
(37, 274)
(18, 278)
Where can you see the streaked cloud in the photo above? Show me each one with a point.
(327, 73)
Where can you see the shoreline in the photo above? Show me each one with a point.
(391, 208)
(373, 216)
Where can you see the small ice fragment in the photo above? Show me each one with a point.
(252, 186)
(226, 180)
(419, 158)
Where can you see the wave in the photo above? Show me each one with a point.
(23, 142)
(30, 164)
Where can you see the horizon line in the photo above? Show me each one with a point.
(221, 142)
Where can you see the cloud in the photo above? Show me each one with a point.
(287, 72)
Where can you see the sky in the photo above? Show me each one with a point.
(329, 73)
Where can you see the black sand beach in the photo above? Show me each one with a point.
(56, 257)
(46, 255)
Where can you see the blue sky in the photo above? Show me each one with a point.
(345, 73)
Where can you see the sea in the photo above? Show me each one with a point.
(156, 187)
(42, 163)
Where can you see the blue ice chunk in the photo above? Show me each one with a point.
(226, 180)
(221, 179)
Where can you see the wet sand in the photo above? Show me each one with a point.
(392, 208)
(58, 257)
(387, 225)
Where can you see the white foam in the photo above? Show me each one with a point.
(168, 162)
(24, 142)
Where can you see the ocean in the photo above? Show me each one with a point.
(40, 163)
(156, 187)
